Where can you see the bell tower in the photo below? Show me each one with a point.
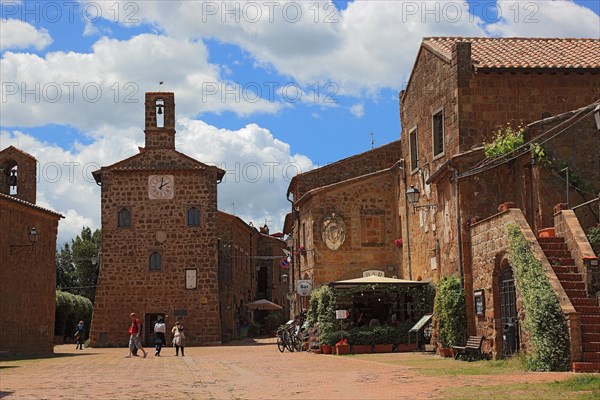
(160, 120)
(19, 174)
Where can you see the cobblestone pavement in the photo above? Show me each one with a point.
(245, 370)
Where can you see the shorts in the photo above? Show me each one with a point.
(134, 341)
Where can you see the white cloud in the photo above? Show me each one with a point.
(258, 170)
(106, 87)
(545, 19)
(16, 34)
(358, 110)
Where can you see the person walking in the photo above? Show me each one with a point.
(178, 338)
(134, 335)
(79, 335)
(159, 333)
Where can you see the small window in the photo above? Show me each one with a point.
(414, 159)
(155, 262)
(124, 218)
(193, 217)
(438, 133)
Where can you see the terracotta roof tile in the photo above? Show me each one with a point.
(524, 52)
(26, 203)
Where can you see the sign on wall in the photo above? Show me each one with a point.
(304, 287)
(373, 272)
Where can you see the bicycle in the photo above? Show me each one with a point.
(288, 339)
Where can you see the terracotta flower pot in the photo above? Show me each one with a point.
(403, 347)
(445, 352)
(342, 349)
(361, 348)
(325, 349)
(383, 348)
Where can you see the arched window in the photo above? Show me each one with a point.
(155, 262)
(124, 218)
(193, 217)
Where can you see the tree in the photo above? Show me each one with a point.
(77, 265)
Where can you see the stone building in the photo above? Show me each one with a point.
(159, 237)
(345, 218)
(461, 91)
(273, 279)
(27, 260)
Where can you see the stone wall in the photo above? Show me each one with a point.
(489, 252)
(370, 161)
(238, 245)
(26, 173)
(27, 278)
(271, 272)
(367, 207)
(126, 284)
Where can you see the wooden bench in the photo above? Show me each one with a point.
(471, 351)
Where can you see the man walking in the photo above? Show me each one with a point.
(134, 335)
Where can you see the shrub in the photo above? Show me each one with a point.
(450, 309)
(332, 337)
(70, 309)
(383, 334)
(544, 320)
(504, 142)
(593, 235)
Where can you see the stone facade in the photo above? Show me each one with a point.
(271, 282)
(474, 103)
(24, 166)
(489, 244)
(346, 228)
(159, 238)
(27, 272)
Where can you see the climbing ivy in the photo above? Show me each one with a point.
(451, 313)
(544, 320)
(505, 141)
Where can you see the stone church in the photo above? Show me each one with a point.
(159, 237)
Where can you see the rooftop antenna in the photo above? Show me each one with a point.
(160, 84)
(372, 140)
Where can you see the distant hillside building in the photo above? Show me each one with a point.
(27, 260)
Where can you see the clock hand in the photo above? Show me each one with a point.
(162, 184)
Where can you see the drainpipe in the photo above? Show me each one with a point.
(458, 227)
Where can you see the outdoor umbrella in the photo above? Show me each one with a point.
(263, 304)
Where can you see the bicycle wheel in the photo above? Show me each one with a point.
(288, 342)
(280, 343)
(296, 343)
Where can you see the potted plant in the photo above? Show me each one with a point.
(383, 338)
(361, 340)
(327, 341)
(450, 310)
(342, 347)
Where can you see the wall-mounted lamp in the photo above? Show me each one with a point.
(284, 278)
(413, 195)
(33, 237)
(597, 116)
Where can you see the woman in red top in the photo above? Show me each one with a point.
(134, 335)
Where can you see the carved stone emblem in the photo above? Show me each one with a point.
(333, 231)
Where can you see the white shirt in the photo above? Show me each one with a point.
(160, 327)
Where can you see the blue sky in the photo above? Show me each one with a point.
(341, 64)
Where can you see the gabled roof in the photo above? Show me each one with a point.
(540, 53)
(11, 149)
(28, 204)
(169, 159)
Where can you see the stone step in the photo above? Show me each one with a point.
(570, 277)
(561, 261)
(554, 246)
(578, 301)
(590, 319)
(560, 269)
(591, 356)
(590, 346)
(590, 337)
(573, 294)
(563, 253)
(590, 328)
(554, 239)
(589, 366)
(588, 310)
(567, 285)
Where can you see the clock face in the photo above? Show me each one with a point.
(161, 186)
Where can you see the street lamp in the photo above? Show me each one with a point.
(33, 237)
(413, 195)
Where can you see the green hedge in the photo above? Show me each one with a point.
(70, 309)
(544, 321)
(451, 313)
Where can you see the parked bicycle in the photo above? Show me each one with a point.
(287, 338)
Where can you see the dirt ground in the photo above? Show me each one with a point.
(251, 369)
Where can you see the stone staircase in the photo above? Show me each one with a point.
(563, 264)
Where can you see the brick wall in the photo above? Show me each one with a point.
(26, 173)
(370, 161)
(27, 279)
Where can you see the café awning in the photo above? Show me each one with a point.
(374, 280)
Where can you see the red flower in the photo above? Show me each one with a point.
(343, 342)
